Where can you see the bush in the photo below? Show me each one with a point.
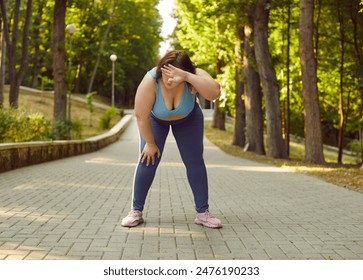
(61, 129)
(7, 117)
(355, 147)
(35, 127)
(15, 126)
(65, 129)
(76, 129)
(105, 121)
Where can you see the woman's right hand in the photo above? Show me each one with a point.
(149, 152)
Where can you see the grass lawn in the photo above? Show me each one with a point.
(349, 175)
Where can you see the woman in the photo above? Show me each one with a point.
(166, 97)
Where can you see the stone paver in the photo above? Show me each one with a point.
(72, 209)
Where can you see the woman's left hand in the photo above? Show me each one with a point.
(173, 73)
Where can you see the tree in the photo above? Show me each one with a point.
(2, 61)
(16, 76)
(275, 143)
(313, 135)
(287, 107)
(357, 21)
(59, 67)
(253, 91)
(342, 113)
(37, 46)
(207, 36)
(239, 137)
(134, 39)
(102, 45)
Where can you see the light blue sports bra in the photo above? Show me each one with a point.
(185, 106)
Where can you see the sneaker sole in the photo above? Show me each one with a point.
(134, 224)
(208, 226)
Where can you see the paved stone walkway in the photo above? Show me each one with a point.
(72, 209)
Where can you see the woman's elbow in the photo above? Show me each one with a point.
(215, 92)
(140, 116)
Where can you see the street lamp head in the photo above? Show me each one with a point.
(71, 28)
(113, 57)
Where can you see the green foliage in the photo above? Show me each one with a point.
(207, 31)
(355, 146)
(64, 129)
(228, 90)
(60, 129)
(76, 129)
(328, 53)
(35, 127)
(15, 126)
(7, 118)
(89, 98)
(107, 117)
(278, 48)
(91, 107)
(133, 37)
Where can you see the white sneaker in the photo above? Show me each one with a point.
(133, 219)
(208, 220)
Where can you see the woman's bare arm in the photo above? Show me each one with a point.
(202, 82)
(144, 101)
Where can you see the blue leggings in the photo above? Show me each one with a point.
(188, 133)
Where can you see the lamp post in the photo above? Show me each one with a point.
(70, 28)
(113, 58)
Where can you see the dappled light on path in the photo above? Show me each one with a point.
(108, 161)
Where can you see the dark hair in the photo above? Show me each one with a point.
(178, 59)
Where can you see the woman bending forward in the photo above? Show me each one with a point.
(166, 97)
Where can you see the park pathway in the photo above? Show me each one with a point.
(72, 209)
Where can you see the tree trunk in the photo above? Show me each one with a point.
(16, 77)
(313, 134)
(317, 28)
(239, 138)
(358, 48)
(287, 107)
(275, 143)
(2, 62)
(37, 59)
(253, 92)
(342, 117)
(11, 47)
(219, 115)
(59, 67)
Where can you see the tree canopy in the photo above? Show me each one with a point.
(207, 28)
(133, 36)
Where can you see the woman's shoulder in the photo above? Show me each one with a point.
(149, 79)
(152, 72)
